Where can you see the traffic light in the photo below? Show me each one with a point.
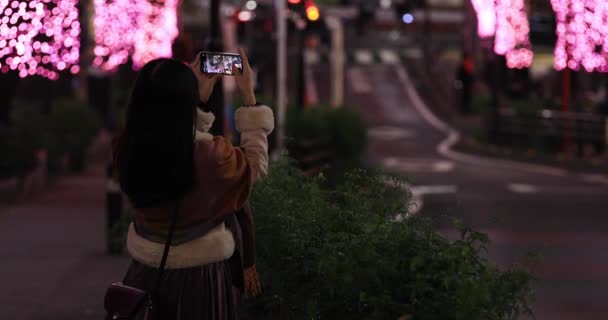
(312, 11)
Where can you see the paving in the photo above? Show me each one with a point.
(53, 262)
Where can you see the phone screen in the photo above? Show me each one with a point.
(220, 63)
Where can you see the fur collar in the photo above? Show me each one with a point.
(217, 245)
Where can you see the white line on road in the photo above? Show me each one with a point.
(358, 81)
(364, 56)
(522, 188)
(595, 178)
(312, 95)
(413, 53)
(410, 165)
(390, 133)
(312, 57)
(418, 193)
(388, 56)
(422, 190)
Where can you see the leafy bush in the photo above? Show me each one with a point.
(18, 143)
(17, 157)
(339, 254)
(73, 125)
(481, 103)
(31, 125)
(340, 132)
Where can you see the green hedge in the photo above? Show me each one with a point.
(17, 157)
(336, 254)
(73, 125)
(68, 128)
(339, 132)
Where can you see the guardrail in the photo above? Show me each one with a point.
(553, 127)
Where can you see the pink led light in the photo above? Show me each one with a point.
(507, 21)
(486, 17)
(34, 32)
(143, 29)
(512, 33)
(582, 34)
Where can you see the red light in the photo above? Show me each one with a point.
(294, 1)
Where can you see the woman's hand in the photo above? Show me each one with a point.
(206, 82)
(244, 80)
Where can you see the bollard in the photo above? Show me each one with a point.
(114, 211)
(606, 130)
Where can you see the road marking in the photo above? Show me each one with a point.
(409, 165)
(418, 193)
(522, 188)
(389, 56)
(453, 136)
(312, 57)
(358, 81)
(424, 190)
(312, 96)
(595, 178)
(364, 56)
(413, 53)
(390, 133)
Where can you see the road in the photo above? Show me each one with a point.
(556, 213)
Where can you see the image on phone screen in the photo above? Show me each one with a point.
(220, 63)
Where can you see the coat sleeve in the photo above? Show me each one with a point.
(254, 125)
(227, 175)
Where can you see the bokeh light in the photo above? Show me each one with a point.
(141, 29)
(507, 21)
(486, 17)
(512, 33)
(39, 37)
(582, 34)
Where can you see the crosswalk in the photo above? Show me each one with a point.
(366, 56)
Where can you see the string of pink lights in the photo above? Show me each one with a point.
(142, 29)
(507, 21)
(582, 34)
(39, 37)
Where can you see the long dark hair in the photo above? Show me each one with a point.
(154, 157)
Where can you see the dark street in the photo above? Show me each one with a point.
(495, 112)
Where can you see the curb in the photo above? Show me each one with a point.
(453, 136)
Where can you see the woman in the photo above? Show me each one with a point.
(168, 163)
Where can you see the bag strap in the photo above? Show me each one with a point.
(163, 261)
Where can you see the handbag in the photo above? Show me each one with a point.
(123, 302)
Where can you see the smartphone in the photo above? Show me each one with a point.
(219, 63)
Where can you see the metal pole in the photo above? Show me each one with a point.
(301, 79)
(566, 108)
(337, 66)
(215, 43)
(281, 74)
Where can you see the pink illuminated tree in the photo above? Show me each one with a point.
(39, 37)
(582, 34)
(512, 33)
(157, 30)
(486, 17)
(142, 29)
(507, 21)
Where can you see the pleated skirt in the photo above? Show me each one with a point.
(199, 293)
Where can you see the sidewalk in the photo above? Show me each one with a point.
(52, 250)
